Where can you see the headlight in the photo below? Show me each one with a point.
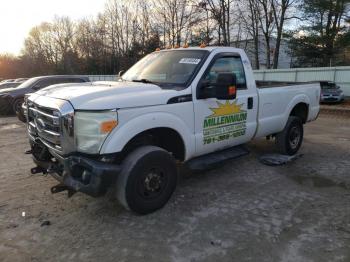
(92, 128)
(26, 96)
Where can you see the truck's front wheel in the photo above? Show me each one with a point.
(147, 180)
(290, 139)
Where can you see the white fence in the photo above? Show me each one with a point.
(340, 75)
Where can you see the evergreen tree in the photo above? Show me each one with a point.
(324, 36)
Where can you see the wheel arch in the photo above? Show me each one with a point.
(300, 110)
(163, 137)
(296, 107)
(172, 131)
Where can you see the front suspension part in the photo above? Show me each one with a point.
(60, 188)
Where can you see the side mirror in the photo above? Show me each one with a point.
(226, 86)
(121, 72)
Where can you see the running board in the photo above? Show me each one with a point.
(213, 160)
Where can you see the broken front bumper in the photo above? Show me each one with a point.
(75, 172)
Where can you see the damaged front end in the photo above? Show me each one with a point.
(75, 172)
(50, 124)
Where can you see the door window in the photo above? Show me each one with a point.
(44, 83)
(232, 65)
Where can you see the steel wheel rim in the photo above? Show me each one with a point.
(152, 184)
(294, 137)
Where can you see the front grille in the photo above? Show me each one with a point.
(331, 99)
(44, 122)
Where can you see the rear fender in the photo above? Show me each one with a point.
(301, 98)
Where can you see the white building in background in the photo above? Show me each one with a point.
(285, 59)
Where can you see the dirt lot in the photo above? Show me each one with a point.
(243, 211)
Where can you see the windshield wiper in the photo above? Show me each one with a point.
(144, 80)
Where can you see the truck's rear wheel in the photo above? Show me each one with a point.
(147, 180)
(290, 139)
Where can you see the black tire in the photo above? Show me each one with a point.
(17, 106)
(290, 139)
(147, 180)
(21, 116)
(5, 108)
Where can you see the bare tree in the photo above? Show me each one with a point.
(251, 24)
(221, 10)
(62, 31)
(267, 25)
(280, 9)
(177, 18)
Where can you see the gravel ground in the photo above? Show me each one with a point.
(242, 211)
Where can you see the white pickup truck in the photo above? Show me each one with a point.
(185, 105)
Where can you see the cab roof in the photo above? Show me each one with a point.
(208, 48)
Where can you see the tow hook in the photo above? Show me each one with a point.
(37, 170)
(28, 152)
(52, 169)
(60, 188)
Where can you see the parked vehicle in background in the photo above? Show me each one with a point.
(191, 105)
(9, 85)
(12, 98)
(7, 80)
(331, 92)
(20, 80)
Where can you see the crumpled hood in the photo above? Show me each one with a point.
(109, 95)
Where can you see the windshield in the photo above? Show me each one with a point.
(175, 67)
(28, 82)
(328, 86)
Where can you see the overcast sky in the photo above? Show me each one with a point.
(17, 17)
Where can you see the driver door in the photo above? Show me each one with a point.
(220, 124)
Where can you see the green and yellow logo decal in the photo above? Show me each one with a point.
(227, 121)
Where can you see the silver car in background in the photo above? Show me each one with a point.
(331, 92)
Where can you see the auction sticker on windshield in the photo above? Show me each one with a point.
(193, 61)
(227, 121)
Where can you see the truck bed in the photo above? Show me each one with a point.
(276, 100)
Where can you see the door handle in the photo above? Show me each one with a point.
(250, 103)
